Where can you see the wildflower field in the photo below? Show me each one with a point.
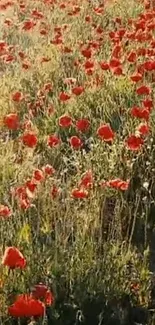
(77, 162)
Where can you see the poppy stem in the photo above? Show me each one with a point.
(19, 321)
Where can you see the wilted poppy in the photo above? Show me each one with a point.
(5, 211)
(17, 96)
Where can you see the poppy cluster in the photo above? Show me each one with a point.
(74, 99)
(26, 305)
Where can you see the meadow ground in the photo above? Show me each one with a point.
(77, 162)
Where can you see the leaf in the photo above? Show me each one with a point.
(25, 234)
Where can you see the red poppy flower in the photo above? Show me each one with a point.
(118, 71)
(114, 63)
(83, 125)
(121, 32)
(3, 46)
(43, 32)
(99, 30)
(55, 190)
(99, 10)
(38, 175)
(149, 65)
(75, 142)
(134, 142)
(79, 193)
(28, 25)
(19, 192)
(5, 211)
(88, 19)
(143, 129)
(87, 53)
(118, 20)
(136, 77)
(48, 87)
(147, 4)
(87, 180)
(29, 139)
(53, 141)
(17, 96)
(21, 55)
(67, 49)
(116, 51)
(41, 291)
(78, 90)
(48, 170)
(132, 57)
(123, 185)
(8, 22)
(65, 121)
(89, 65)
(148, 103)
(45, 59)
(105, 132)
(13, 258)
(11, 121)
(141, 51)
(26, 65)
(118, 184)
(31, 185)
(49, 298)
(26, 306)
(142, 113)
(24, 203)
(37, 14)
(70, 81)
(8, 58)
(143, 90)
(104, 65)
(64, 97)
